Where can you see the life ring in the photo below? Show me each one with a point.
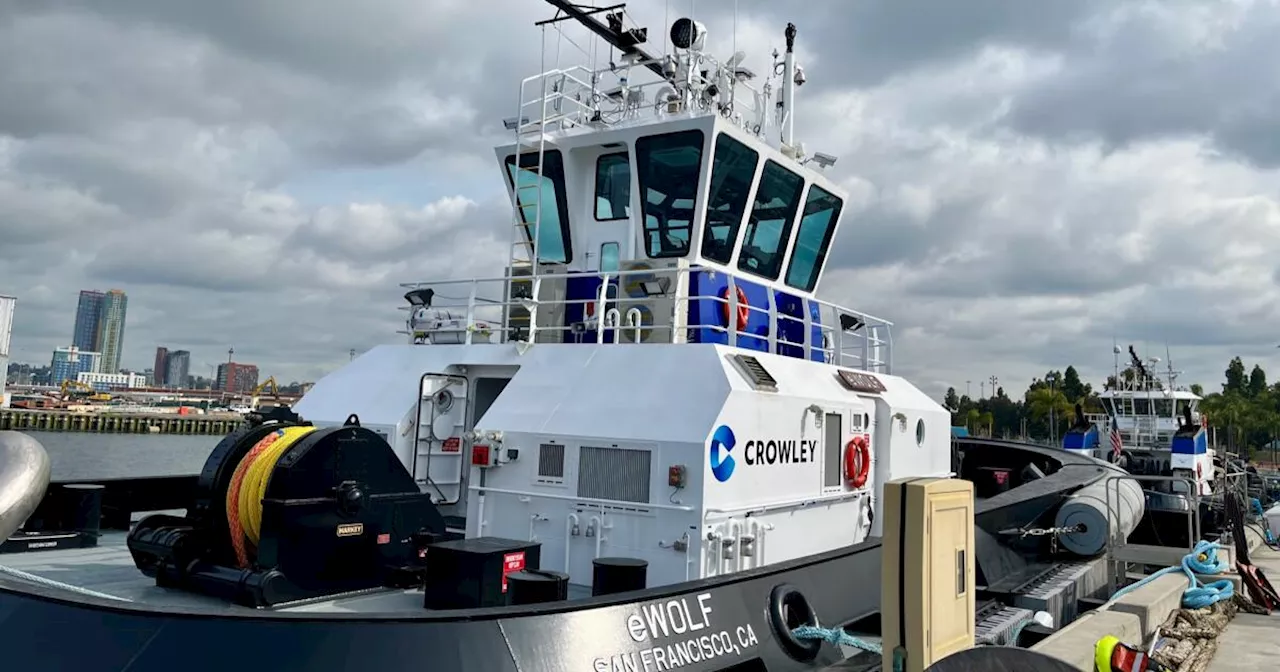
(857, 461)
(744, 308)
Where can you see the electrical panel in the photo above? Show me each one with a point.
(927, 588)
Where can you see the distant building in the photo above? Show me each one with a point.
(237, 378)
(69, 363)
(112, 381)
(177, 369)
(115, 305)
(7, 305)
(158, 369)
(88, 320)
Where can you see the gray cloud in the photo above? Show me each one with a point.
(1027, 181)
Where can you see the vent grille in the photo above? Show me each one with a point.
(617, 474)
(755, 373)
(551, 462)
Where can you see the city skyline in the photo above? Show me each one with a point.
(96, 345)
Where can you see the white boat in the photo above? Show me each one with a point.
(652, 377)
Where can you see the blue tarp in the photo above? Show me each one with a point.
(959, 431)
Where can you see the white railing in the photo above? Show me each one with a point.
(561, 99)
(476, 317)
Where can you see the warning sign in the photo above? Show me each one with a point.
(511, 562)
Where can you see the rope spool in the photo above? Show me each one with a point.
(249, 487)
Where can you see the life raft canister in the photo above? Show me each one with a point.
(857, 461)
(744, 308)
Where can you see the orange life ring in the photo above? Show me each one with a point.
(744, 308)
(857, 461)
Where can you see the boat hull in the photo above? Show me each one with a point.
(722, 623)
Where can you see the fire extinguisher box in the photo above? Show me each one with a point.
(472, 573)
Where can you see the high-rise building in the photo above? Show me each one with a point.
(7, 304)
(233, 377)
(88, 318)
(177, 368)
(111, 329)
(69, 363)
(158, 376)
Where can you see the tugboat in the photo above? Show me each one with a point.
(647, 445)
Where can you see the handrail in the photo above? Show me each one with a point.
(590, 501)
(1192, 513)
(581, 87)
(869, 347)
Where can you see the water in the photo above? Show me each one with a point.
(83, 455)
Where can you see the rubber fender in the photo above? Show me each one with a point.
(788, 610)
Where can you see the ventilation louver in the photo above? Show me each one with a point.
(551, 463)
(755, 373)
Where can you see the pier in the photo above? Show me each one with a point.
(117, 423)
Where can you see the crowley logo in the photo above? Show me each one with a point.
(722, 462)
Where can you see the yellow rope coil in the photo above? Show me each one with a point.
(256, 477)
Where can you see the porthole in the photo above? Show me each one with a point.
(866, 421)
(920, 432)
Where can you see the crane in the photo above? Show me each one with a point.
(269, 383)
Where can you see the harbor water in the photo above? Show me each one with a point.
(84, 456)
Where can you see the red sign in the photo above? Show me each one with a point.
(511, 562)
(384, 538)
(452, 445)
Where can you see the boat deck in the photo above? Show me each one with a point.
(108, 569)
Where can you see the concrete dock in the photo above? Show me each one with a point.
(1252, 642)
(1249, 641)
(118, 423)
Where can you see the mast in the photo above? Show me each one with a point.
(789, 87)
(622, 39)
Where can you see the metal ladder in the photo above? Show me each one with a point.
(525, 283)
(524, 286)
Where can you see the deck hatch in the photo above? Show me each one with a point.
(618, 474)
(755, 373)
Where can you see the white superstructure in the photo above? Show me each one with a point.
(653, 376)
(1147, 409)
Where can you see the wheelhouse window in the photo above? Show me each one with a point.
(543, 193)
(813, 240)
(613, 187)
(732, 173)
(609, 258)
(769, 227)
(667, 168)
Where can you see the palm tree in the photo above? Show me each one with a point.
(971, 422)
(987, 420)
(1049, 404)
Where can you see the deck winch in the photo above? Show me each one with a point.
(286, 511)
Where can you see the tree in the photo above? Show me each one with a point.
(1235, 377)
(972, 418)
(1257, 381)
(1074, 389)
(987, 420)
(1197, 389)
(952, 401)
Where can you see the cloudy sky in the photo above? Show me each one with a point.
(1028, 180)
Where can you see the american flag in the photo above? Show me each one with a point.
(1116, 443)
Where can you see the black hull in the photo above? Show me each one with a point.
(48, 629)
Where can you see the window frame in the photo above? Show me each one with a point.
(558, 186)
(788, 223)
(736, 228)
(641, 175)
(595, 203)
(824, 248)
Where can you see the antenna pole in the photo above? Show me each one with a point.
(789, 87)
